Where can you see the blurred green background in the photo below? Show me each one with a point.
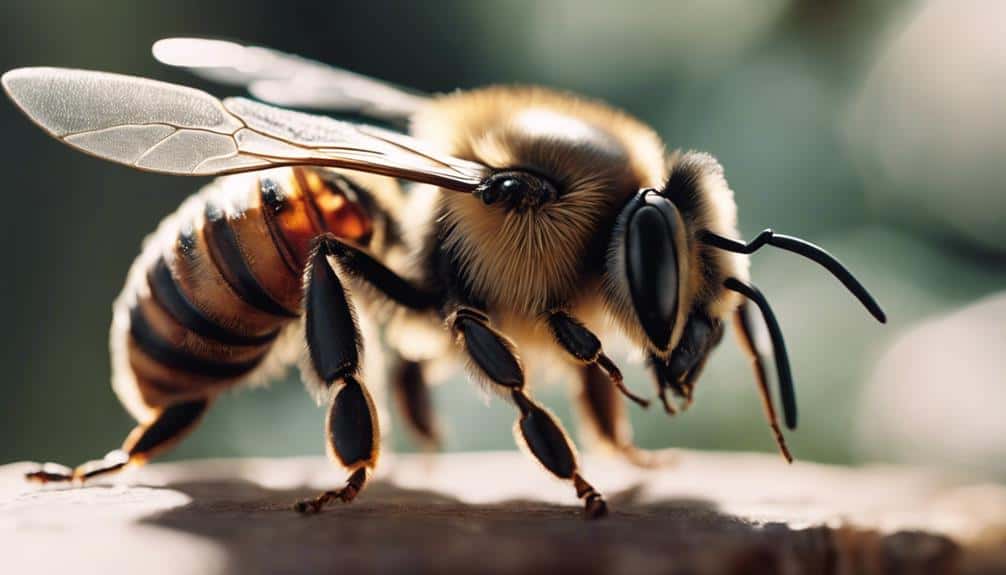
(871, 127)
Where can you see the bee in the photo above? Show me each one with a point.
(531, 218)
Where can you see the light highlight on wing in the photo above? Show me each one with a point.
(163, 127)
(288, 80)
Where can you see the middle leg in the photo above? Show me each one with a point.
(494, 359)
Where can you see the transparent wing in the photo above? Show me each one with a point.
(288, 80)
(168, 128)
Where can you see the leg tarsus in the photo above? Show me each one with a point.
(50, 473)
(536, 429)
(745, 336)
(545, 439)
(142, 443)
(615, 374)
(335, 347)
(354, 485)
(112, 462)
(645, 459)
(668, 404)
(594, 506)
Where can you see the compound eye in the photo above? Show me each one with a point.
(510, 185)
(517, 190)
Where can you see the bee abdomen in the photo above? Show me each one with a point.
(221, 278)
(166, 291)
(225, 250)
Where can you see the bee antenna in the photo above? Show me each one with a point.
(787, 390)
(805, 249)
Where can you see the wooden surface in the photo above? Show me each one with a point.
(498, 513)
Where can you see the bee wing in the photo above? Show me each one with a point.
(288, 80)
(173, 129)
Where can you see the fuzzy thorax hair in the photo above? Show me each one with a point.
(597, 157)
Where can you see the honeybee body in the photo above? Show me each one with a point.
(208, 301)
(533, 217)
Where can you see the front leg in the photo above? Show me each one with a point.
(583, 345)
(494, 359)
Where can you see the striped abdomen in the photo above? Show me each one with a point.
(216, 284)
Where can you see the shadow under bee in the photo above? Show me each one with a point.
(397, 529)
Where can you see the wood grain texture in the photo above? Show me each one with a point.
(496, 513)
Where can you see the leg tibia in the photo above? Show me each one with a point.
(540, 433)
(536, 429)
(165, 431)
(583, 345)
(543, 437)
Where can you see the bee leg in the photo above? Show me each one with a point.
(494, 357)
(745, 336)
(413, 395)
(602, 411)
(679, 372)
(145, 441)
(352, 440)
(583, 345)
(334, 350)
(357, 264)
(540, 433)
(492, 353)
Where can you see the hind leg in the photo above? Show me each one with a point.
(335, 349)
(167, 428)
(353, 440)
